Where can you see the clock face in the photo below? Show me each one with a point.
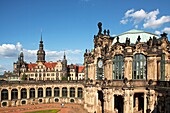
(100, 63)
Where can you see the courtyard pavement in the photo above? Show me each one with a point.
(67, 108)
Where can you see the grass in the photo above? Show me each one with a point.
(45, 111)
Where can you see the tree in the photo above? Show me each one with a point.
(24, 77)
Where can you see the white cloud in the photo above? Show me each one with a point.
(149, 19)
(166, 30)
(128, 12)
(136, 17)
(155, 23)
(12, 51)
(73, 56)
(124, 21)
(136, 26)
(157, 32)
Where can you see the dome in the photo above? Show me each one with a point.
(133, 35)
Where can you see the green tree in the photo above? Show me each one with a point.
(24, 77)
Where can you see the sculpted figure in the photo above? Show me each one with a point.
(100, 28)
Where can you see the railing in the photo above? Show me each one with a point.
(103, 83)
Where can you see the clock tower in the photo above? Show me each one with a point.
(41, 52)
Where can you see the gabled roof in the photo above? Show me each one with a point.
(50, 64)
(81, 69)
(30, 66)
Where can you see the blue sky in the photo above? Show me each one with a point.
(69, 25)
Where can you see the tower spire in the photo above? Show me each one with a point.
(64, 55)
(41, 52)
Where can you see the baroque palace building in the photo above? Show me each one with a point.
(128, 73)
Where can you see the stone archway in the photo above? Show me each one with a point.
(100, 101)
(118, 103)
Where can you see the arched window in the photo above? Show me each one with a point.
(118, 67)
(23, 93)
(14, 94)
(64, 92)
(80, 92)
(32, 93)
(139, 67)
(40, 92)
(72, 92)
(56, 91)
(4, 94)
(48, 92)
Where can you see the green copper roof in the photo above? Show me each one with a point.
(133, 35)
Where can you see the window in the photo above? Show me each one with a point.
(14, 94)
(118, 67)
(40, 92)
(64, 92)
(80, 92)
(48, 92)
(4, 94)
(72, 92)
(56, 92)
(139, 66)
(32, 93)
(23, 93)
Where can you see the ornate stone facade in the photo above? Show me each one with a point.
(120, 69)
(128, 73)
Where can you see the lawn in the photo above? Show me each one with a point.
(45, 111)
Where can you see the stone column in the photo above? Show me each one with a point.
(128, 67)
(68, 91)
(52, 92)
(76, 92)
(28, 93)
(9, 94)
(126, 102)
(19, 93)
(145, 102)
(60, 95)
(44, 92)
(131, 96)
(36, 92)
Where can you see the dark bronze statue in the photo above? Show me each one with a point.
(100, 28)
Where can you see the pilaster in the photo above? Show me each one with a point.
(19, 93)
(44, 92)
(36, 92)
(68, 92)
(76, 92)
(60, 95)
(52, 92)
(28, 93)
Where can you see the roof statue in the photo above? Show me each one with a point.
(105, 32)
(164, 34)
(117, 39)
(127, 41)
(138, 39)
(108, 32)
(100, 27)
